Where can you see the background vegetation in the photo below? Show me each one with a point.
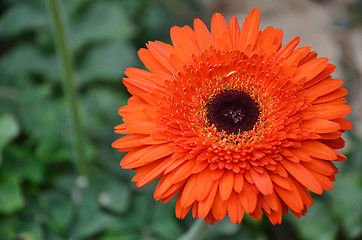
(46, 195)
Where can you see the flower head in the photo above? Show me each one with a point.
(232, 121)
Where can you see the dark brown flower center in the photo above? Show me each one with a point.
(232, 111)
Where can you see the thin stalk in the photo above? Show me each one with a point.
(197, 231)
(57, 16)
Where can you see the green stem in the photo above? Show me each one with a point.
(197, 231)
(59, 32)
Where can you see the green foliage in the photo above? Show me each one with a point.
(42, 197)
(11, 199)
(20, 18)
(9, 129)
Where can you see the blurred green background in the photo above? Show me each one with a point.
(53, 186)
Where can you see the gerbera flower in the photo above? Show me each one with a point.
(231, 121)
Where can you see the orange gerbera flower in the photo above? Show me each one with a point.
(231, 121)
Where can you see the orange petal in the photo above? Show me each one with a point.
(161, 51)
(128, 142)
(302, 174)
(238, 182)
(171, 191)
(138, 87)
(275, 217)
(217, 173)
(272, 201)
(339, 93)
(320, 125)
(303, 192)
(188, 193)
(180, 211)
(146, 155)
(182, 40)
(162, 187)
(121, 129)
(249, 30)
(226, 184)
(323, 167)
(204, 184)
(150, 62)
(344, 123)
(280, 170)
(329, 111)
(200, 166)
(220, 33)
(152, 141)
(323, 75)
(262, 181)
(248, 198)
(280, 181)
(265, 39)
(258, 212)
(234, 208)
(300, 154)
(334, 143)
(295, 57)
(219, 209)
(328, 136)
(180, 158)
(309, 70)
(287, 49)
(291, 198)
(181, 172)
(310, 56)
(218, 25)
(324, 181)
(318, 150)
(322, 88)
(141, 127)
(142, 79)
(234, 31)
(203, 36)
(205, 205)
(151, 172)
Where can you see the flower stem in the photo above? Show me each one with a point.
(56, 15)
(197, 231)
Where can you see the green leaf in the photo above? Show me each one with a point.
(135, 219)
(58, 210)
(227, 228)
(20, 163)
(29, 231)
(11, 199)
(107, 62)
(164, 221)
(92, 193)
(74, 7)
(90, 220)
(65, 183)
(9, 129)
(318, 223)
(140, 209)
(45, 122)
(347, 198)
(101, 21)
(19, 18)
(167, 229)
(127, 236)
(26, 58)
(8, 228)
(99, 111)
(53, 236)
(115, 197)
